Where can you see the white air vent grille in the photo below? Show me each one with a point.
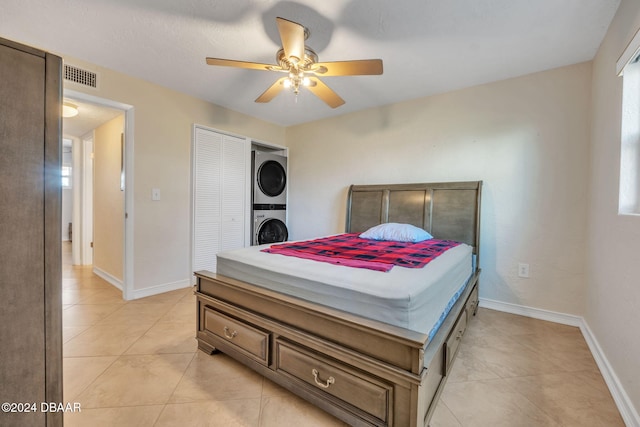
(80, 76)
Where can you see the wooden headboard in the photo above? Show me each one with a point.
(447, 210)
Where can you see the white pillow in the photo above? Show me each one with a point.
(396, 232)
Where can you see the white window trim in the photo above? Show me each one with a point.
(630, 52)
(629, 187)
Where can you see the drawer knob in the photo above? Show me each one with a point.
(330, 381)
(229, 334)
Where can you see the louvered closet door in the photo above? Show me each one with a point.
(220, 188)
(234, 187)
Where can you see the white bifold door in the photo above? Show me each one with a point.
(221, 166)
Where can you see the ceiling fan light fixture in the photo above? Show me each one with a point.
(301, 64)
(294, 81)
(69, 109)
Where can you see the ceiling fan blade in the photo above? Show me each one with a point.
(273, 90)
(241, 64)
(292, 37)
(349, 68)
(323, 92)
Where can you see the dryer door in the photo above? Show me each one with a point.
(272, 178)
(271, 230)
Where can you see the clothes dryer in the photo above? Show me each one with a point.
(269, 180)
(269, 226)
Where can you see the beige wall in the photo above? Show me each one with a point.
(162, 159)
(613, 297)
(108, 199)
(527, 138)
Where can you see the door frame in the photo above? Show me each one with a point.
(128, 220)
(86, 208)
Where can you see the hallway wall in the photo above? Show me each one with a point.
(108, 200)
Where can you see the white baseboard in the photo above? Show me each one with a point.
(144, 292)
(108, 277)
(536, 313)
(159, 289)
(627, 410)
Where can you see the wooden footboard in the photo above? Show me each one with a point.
(364, 372)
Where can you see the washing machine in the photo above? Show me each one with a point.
(269, 226)
(269, 181)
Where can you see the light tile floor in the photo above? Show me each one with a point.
(136, 363)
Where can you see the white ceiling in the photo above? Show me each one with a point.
(428, 46)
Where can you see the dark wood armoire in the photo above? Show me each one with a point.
(30, 235)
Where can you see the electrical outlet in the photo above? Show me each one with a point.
(523, 270)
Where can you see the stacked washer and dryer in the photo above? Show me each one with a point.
(269, 198)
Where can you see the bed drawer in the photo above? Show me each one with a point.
(472, 303)
(453, 342)
(358, 389)
(244, 337)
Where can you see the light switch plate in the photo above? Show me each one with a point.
(523, 270)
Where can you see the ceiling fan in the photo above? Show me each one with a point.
(301, 64)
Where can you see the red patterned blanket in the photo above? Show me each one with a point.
(350, 250)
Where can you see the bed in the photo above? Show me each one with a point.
(365, 363)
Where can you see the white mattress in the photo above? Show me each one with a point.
(411, 298)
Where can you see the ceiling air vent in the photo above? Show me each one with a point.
(80, 76)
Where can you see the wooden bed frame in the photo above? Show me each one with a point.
(364, 372)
